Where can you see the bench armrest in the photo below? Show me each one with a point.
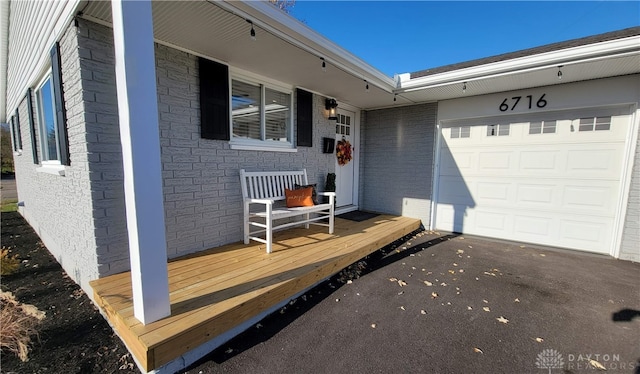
(327, 193)
(331, 195)
(259, 201)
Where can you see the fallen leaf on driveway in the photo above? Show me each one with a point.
(393, 279)
(477, 350)
(428, 283)
(423, 311)
(454, 264)
(401, 307)
(434, 295)
(373, 325)
(460, 251)
(597, 365)
(516, 300)
(443, 284)
(485, 301)
(539, 340)
(402, 283)
(452, 272)
(486, 309)
(543, 255)
(501, 319)
(487, 273)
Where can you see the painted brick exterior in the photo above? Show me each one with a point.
(397, 154)
(630, 245)
(202, 198)
(202, 195)
(59, 207)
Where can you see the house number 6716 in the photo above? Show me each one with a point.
(541, 103)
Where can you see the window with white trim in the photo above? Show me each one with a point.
(542, 127)
(47, 123)
(460, 132)
(260, 114)
(595, 124)
(501, 129)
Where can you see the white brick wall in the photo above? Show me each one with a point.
(201, 181)
(59, 207)
(397, 154)
(630, 245)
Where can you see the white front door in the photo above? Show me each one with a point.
(554, 182)
(345, 132)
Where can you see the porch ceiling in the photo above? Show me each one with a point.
(288, 51)
(219, 30)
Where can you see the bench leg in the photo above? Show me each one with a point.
(246, 223)
(269, 233)
(331, 216)
(306, 217)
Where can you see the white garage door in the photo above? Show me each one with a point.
(553, 182)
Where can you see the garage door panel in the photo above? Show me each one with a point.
(540, 161)
(456, 190)
(492, 191)
(593, 198)
(533, 228)
(488, 160)
(585, 234)
(597, 162)
(490, 222)
(535, 194)
(557, 188)
(454, 218)
(454, 165)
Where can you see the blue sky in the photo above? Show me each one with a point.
(402, 37)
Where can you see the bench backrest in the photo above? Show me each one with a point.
(270, 184)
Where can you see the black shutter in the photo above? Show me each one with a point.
(304, 118)
(61, 114)
(16, 130)
(214, 100)
(32, 126)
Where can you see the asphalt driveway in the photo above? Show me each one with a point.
(445, 304)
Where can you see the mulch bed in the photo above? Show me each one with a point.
(73, 337)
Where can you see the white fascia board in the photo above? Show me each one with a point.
(544, 60)
(267, 16)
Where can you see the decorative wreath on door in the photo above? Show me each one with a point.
(343, 152)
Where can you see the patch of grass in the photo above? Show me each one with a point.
(9, 206)
(18, 324)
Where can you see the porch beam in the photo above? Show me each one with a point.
(140, 137)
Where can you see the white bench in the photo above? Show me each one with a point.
(261, 191)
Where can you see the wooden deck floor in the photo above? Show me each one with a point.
(215, 290)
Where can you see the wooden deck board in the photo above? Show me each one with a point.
(215, 290)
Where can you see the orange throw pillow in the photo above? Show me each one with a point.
(301, 197)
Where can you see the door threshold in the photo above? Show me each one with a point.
(345, 209)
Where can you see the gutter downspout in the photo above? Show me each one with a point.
(4, 57)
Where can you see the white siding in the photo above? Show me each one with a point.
(33, 28)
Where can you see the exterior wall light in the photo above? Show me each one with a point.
(331, 105)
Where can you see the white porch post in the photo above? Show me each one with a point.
(140, 137)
